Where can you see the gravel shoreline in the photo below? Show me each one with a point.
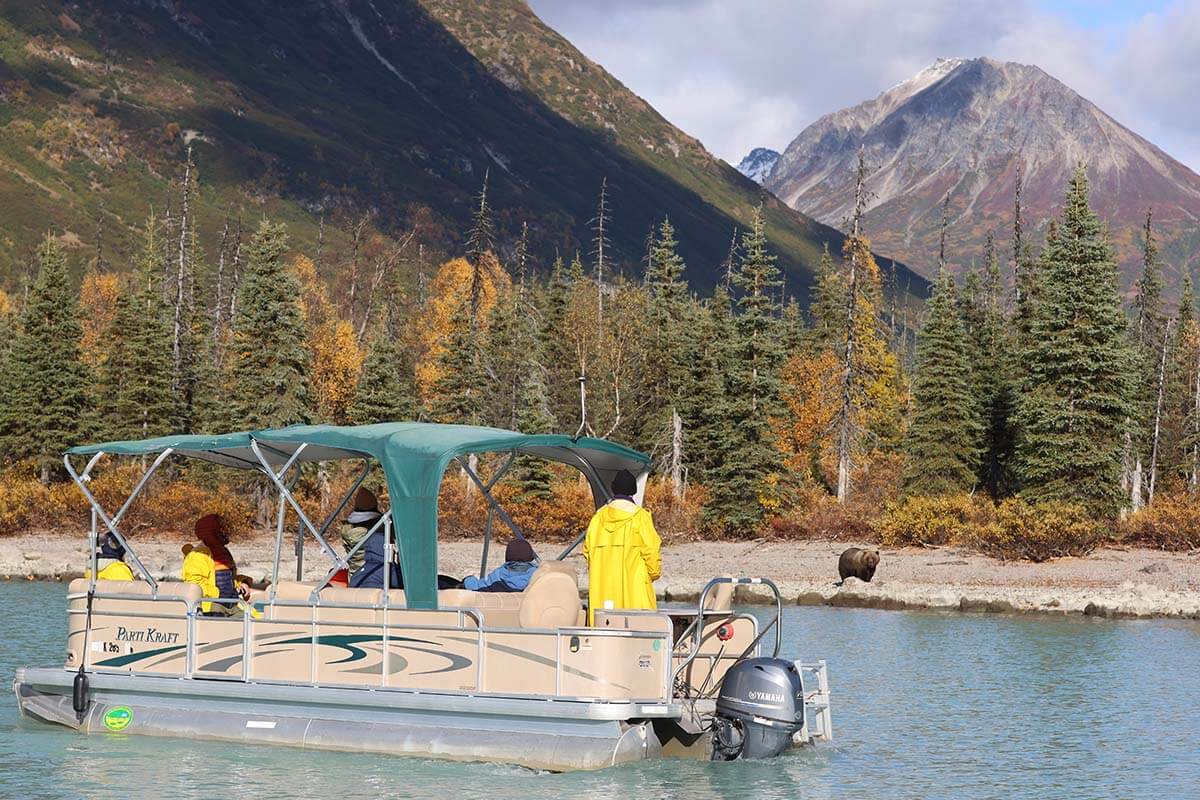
(1127, 583)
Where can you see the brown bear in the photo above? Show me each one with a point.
(857, 562)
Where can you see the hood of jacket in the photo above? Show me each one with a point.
(618, 512)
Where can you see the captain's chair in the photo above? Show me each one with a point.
(551, 600)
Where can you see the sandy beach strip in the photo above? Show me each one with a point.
(1109, 582)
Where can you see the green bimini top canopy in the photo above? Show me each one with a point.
(414, 457)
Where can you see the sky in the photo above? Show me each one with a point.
(738, 74)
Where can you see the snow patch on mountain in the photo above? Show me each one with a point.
(757, 165)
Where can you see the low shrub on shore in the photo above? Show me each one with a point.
(1019, 530)
(1172, 522)
(1014, 530)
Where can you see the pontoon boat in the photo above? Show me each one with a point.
(518, 678)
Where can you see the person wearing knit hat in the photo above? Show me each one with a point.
(513, 575)
(210, 566)
(110, 561)
(623, 551)
(365, 563)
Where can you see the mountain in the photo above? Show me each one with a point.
(341, 106)
(965, 127)
(758, 163)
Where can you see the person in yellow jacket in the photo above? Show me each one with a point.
(110, 561)
(210, 566)
(623, 552)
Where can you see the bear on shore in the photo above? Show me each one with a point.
(858, 563)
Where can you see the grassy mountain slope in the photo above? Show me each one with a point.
(319, 106)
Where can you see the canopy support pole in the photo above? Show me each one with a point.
(280, 518)
(277, 479)
(487, 494)
(111, 523)
(487, 529)
(593, 479)
(361, 542)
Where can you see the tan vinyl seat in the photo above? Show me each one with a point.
(176, 590)
(294, 590)
(720, 598)
(552, 598)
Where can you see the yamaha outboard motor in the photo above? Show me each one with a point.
(759, 710)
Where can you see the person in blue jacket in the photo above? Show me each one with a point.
(511, 576)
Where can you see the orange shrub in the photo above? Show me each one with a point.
(165, 505)
(1172, 522)
(676, 520)
(929, 520)
(1020, 530)
(819, 515)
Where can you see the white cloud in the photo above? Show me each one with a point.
(756, 72)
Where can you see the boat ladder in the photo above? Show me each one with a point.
(818, 719)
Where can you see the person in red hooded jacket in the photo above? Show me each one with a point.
(210, 566)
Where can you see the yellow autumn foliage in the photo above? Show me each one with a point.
(813, 398)
(333, 347)
(98, 303)
(448, 291)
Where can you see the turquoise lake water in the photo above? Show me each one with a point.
(926, 705)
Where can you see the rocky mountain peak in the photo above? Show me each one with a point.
(964, 127)
(758, 163)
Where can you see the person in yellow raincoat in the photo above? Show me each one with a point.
(210, 566)
(623, 552)
(110, 561)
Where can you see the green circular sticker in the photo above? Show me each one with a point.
(118, 718)
(657, 645)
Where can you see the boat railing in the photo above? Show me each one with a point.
(696, 630)
(466, 620)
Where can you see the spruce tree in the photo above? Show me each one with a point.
(1183, 363)
(47, 403)
(667, 369)
(137, 400)
(943, 438)
(561, 387)
(1075, 405)
(458, 391)
(746, 483)
(532, 475)
(706, 403)
(828, 308)
(268, 372)
(387, 385)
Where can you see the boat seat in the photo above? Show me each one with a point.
(294, 590)
(342, 594)
(552, 598)
(497, 609)
(175, 590)
(720, 598)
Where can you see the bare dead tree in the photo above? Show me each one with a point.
(101, 263)
(218, 320)
(730, 259)
(357, 231)
(320, 254)
(600, 240)
(181, 276)
(1018, 229)
(385, 264)
(846, 423)
(942, 240)
(1158, 410)
(1195, 477)
(235, 276)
